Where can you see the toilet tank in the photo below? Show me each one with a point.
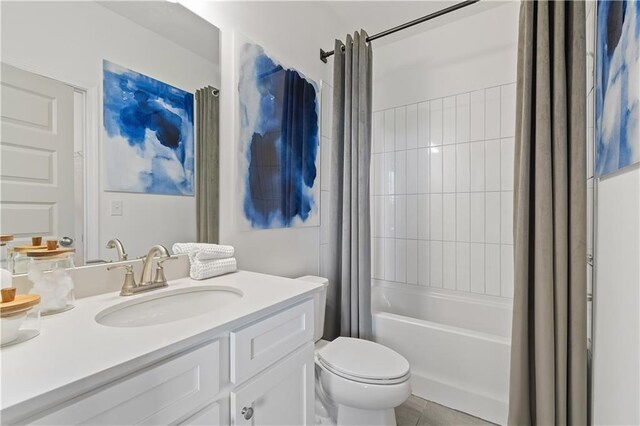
(319, 301)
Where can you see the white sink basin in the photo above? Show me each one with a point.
(169, 306)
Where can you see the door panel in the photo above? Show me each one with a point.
(36, 170)
(281, 395)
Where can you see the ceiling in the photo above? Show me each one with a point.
(173, 22)
(377, 16)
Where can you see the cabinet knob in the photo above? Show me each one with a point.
(247, 412)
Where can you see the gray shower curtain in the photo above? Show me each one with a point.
(548, 384)
(350, 239)
(207, 164)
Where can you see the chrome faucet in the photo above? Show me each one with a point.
(117, 244)
(146, 283)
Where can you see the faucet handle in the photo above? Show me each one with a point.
(129, 268)
(160, 278)
(164, 259)
(129, 279)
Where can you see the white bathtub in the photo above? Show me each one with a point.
(457, 345)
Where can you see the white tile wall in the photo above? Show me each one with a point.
(476, 119)
(424, 168)
(401, 172)
(477, 268)
(463, 269)
(423, 125)
(448, 217)
(476, 154)
(449, 168)
(401, 128)
(389, 130)
(435, 122)
(463, 168)
(412, 261)
(449, 265)
(401, 260)
(463, 118)
(449, 120)
(476, 228)
(492, 113)
(412, 126)
(443, 184)
(424, 260)
(492, 180)
(435, 169)
(435, 264)
(412, 216)
(492, 217)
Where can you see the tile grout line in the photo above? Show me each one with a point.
(484, 201)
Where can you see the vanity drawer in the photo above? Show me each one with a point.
(259, 345)
(208, 416)
(161, 394)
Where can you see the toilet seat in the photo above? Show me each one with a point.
(363, 361)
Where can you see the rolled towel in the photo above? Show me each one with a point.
(201, 251)
(203, 269)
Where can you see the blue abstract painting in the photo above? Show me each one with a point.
(279, 140)
(617, 85)
(148, 138)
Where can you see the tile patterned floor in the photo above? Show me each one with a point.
(419, 412)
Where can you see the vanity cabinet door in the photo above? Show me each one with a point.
(261, 344)
(281, 395)
(163, 393)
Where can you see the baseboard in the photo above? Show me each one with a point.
(482, 406)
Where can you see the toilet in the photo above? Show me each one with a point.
(358, 382)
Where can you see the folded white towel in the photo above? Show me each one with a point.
(201, 251)
(203, 269)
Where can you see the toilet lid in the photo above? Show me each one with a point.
(362, 359)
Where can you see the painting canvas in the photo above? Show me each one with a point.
(148, 134)
(278, 142)
(617, 85)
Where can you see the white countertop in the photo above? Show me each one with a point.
(74, 353)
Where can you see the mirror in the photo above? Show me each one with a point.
(99, 123)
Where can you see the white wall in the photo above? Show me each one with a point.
(442, 165)
(67, 41)
(469, 54)
(616, 299)
(293, 32)
(616, 358)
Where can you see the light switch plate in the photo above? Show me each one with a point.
(116, 207)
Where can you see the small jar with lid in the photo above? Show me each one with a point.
(49, 273)
(19, 317)
(18, 255)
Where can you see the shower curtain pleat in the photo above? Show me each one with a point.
(349, 298)
(207, 167)
(548, 382)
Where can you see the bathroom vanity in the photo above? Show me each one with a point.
(155, 359)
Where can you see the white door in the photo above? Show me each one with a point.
(36, 150)
(281, 395)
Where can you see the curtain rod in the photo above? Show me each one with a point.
(324, 55)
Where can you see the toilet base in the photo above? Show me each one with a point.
(350, 416)
(331, 413)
